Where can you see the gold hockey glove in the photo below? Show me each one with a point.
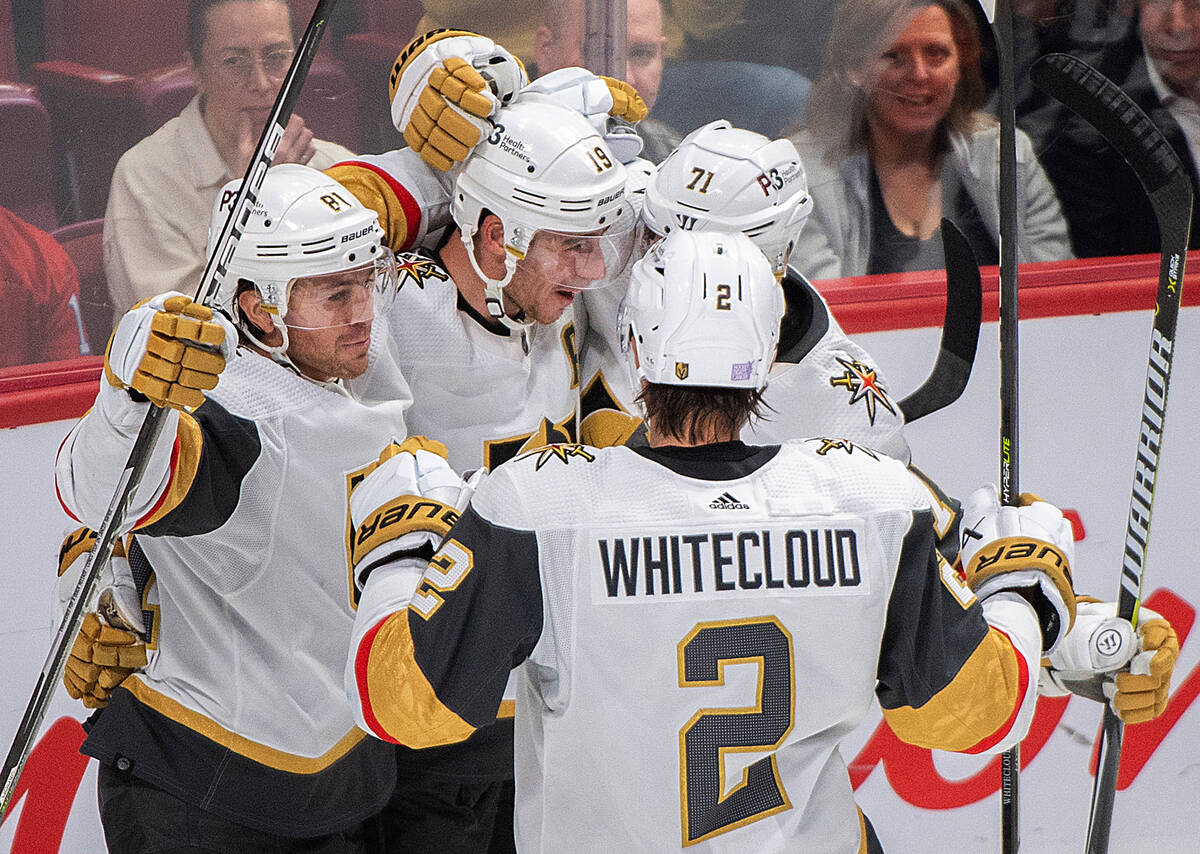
(404, 507)
(1105, 659)
(627, 103)
(1141, 694)
(443, 87)
(169, 349)
(101, 659)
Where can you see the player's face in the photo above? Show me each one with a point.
(911, 85)
(556, 267)
(246, 53)
(329, 323)
(1171, 30)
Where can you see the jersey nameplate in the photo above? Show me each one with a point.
(683, 567)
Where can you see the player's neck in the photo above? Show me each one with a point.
(710, 436)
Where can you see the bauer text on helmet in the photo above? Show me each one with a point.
(314, 258)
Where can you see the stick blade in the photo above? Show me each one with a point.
(960, 330)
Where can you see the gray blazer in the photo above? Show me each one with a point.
(836, 240)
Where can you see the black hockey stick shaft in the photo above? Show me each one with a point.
(960, 330)
(147, 438)
(1010, 760)
(1130, 131)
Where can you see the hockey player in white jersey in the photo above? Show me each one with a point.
(723, 178)
(672, 607)
(482, 325)
(445, 90)
(236, 735)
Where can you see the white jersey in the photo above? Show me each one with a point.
(822, 382)
(674, 610)
(474, 387)
(242, 517)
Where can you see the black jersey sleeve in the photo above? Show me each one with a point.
(434, 672)
(214, 451)
(946, 679)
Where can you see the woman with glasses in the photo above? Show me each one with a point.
(164, 187)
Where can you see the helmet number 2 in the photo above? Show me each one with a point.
(725, 296)
(707, 807)
(600, 159)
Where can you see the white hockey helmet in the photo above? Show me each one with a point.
(703, 309)
(729, 179)
(304, 225)
(543, 169)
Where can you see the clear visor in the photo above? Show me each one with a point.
(581, 261)
(343, 298)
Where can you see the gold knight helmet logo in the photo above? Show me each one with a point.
(681, 370)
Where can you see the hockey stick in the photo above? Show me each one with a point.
(1135, 137)
(147, 438)
(1010, 760)
(960, 330)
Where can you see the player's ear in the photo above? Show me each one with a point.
(489, 242)
(251, 305)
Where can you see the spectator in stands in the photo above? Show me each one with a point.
(895, 140)
(39, 297)
(1153, 54)
(558, 43)
(156, 224)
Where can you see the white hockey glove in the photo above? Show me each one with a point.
(1094, 661)
(598, 99)
(442, 88)
(1027, 550)
(170, 350)
(404, 507)
(105, 651)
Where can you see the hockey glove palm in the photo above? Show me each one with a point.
(598, 99)
(1094, 661)
(443, 87)
(1027, 550)
(169, 349)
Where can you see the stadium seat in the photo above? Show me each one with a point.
(97, 52)
(104, 94)
(387, 26)
(25, 170)
(8, 44)
(83, 242)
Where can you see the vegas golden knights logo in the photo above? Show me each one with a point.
(681, 370)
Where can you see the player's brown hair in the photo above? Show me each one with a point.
(693, 413)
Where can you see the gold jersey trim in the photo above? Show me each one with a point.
(260, 753)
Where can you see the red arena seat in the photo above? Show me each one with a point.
(83, 242)
(25, 170)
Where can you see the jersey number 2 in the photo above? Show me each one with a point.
(712, 733)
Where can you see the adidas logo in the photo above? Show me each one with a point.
(725, 501)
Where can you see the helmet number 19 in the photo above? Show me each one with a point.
(600, 159)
